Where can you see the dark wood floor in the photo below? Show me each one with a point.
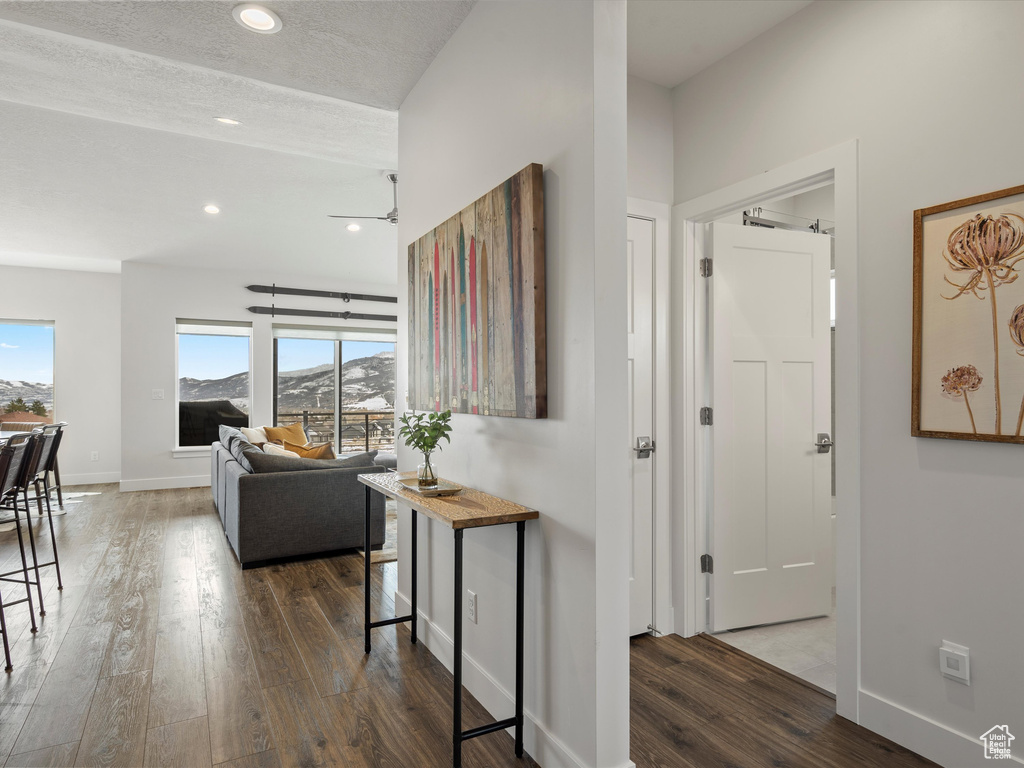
(160, 651)
(700, 703)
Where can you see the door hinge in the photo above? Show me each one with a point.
(706, 267)
(707, 416)
(707, 564)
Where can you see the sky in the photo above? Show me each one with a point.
(217, 357)
(26, 353)
(297, 354)
(212, 357)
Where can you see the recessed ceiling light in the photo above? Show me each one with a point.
(227, 121)
(256, 18)
(353, 227)
(211, 209)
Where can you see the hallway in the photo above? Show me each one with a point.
(699, 703)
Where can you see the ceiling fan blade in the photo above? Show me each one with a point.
(375, 218)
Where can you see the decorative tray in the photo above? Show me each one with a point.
(443, 487)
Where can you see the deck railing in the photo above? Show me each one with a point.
(359, 430)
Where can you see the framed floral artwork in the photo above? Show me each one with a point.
(968, 381)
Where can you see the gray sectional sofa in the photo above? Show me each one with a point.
(291, 509)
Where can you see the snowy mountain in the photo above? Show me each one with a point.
(368, 383)
(27, 391)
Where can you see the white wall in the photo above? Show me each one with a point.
(649, 147)
(153, 298)
(520, 83)
(942, 526)
(85, 308)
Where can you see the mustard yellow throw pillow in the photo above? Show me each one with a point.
(292, 433)
(322, 451)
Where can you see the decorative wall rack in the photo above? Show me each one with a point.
(275, 311)
(275, 289)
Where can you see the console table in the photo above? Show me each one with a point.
(468, 509)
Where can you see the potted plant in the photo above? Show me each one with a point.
(423, 431)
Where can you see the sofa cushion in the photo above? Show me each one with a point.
(387, 460)
(226, 433)
(322, 451)
(256, 436)
(237, 446)
(263, 462)
(272, 449)
(292, 433)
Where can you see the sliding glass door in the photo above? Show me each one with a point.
(340, 385)
(306, 390)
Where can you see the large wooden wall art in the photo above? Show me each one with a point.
(477, 339)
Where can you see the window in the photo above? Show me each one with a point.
(26, 371)
(340, 384)
(214, 365)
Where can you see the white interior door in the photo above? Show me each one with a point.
(640, 270)
(771, 519)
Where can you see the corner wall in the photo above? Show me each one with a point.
(86, 310)
(649, 141)
(942, 531)
(520, 83)
(153, 298)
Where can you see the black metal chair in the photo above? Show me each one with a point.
(13, 460)
(27, 469)
(52, 434)
(47, 443)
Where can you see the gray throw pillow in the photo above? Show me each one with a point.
(226, 433)
(237, 447)
(264, 462)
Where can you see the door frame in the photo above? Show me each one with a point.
(660, 214)
(691, 390)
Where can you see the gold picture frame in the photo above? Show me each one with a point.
(968, 367)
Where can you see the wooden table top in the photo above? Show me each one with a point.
(469, 509)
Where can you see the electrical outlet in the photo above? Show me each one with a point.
(955, 662)
(158, 394)
(94, 455)
(472, 606)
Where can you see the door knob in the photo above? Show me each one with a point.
(644, 447)
(824, 442)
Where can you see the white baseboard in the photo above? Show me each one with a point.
(542, 745)
(90, 478)
(161, 483)
(928, 738)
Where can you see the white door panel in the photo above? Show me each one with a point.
(640, 366)
(771, 519)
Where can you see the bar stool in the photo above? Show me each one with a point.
(47, 443)
(27, 470)
(13, 460)
(48, 465)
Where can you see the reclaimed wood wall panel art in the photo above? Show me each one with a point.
(477, 340)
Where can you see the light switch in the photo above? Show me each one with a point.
(955, 662)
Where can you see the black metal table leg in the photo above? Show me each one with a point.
(412, 621)
(366, 573)
(457, 660)
(520, 570)
(368, 624)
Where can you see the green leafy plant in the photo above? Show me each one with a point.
(423, 431)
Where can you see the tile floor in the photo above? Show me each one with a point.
(805, 648)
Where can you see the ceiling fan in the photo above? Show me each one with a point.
(391, 217)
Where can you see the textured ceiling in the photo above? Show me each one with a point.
(672, 40)
(91, 193)
(69, 74)
(109, 150)
(366, 52)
